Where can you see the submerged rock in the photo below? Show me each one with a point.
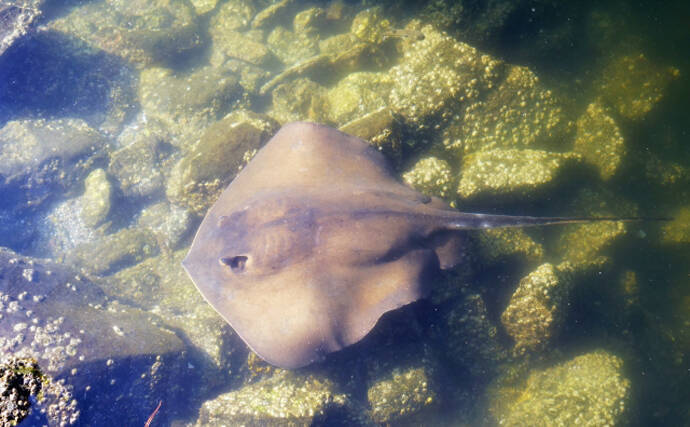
(432, 176)
(599, 140)
(511, 171)
(589, 390)
(144, 32)
(95, 202)
(633, 85)
(137, 166)
(283, 399)
(20, 380)
(16, 20)
(536, 309)
(111, 360)
(403, 395)
(115, 251)
(208, 166)
(437, 72)
(39, 159)
(519, 113)
(187, 103)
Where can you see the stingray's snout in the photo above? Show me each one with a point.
(236, 263)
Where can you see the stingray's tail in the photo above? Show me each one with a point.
(478, 221)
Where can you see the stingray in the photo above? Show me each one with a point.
(315, 240)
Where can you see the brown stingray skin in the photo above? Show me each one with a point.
(315, 239)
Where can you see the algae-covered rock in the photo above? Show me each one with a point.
(511, 171)
(437, 71)
(204, 6)
(272, 13)
(535, 312)
(95, 202)
(210, 164)
(633, 85)
(519, 113)
(401, 396)
(160, 285)
(169, 223)
(309, 20)
(678, 230)
(112, 361)
(233, 15)
(115, 251)
(137, 166)
(589, 390)
(292, 47)
(144, 32)
(234, 44)
(185, 104)
(358, 94)
(300, 99)
(39, 159)
(285, 398)
(582, 245)
(379, 129)
(599, 140)
(499, 243)
(20, 379)
(432, 176)
(470, 338)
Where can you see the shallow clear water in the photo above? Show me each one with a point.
(121, 123)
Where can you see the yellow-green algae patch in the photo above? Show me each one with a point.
(285, 398)
(589, 390)
(432, 176)
(519, 113)
(401, 394)
(437, 72)
(499, 243)
(599, 140)
(678, 230)
(536, 309)
(357, 94)
(633, 85)
(510, 171)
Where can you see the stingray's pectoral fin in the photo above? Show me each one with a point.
(478, 221)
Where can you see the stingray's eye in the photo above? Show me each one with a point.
(236, 263)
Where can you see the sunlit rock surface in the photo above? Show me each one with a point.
(536, 309)
(285, 398)
(588, 390)
(437, 72)
(144, 32)
(432, 176)
(519, 113)
(96, 200)
(511, 171)
(599, 140)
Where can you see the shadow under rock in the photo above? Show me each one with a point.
(49, 75)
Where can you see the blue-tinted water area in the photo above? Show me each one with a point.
(121, 123)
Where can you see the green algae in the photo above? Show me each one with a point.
(589, 390)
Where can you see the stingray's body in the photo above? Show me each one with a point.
(315, 239)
